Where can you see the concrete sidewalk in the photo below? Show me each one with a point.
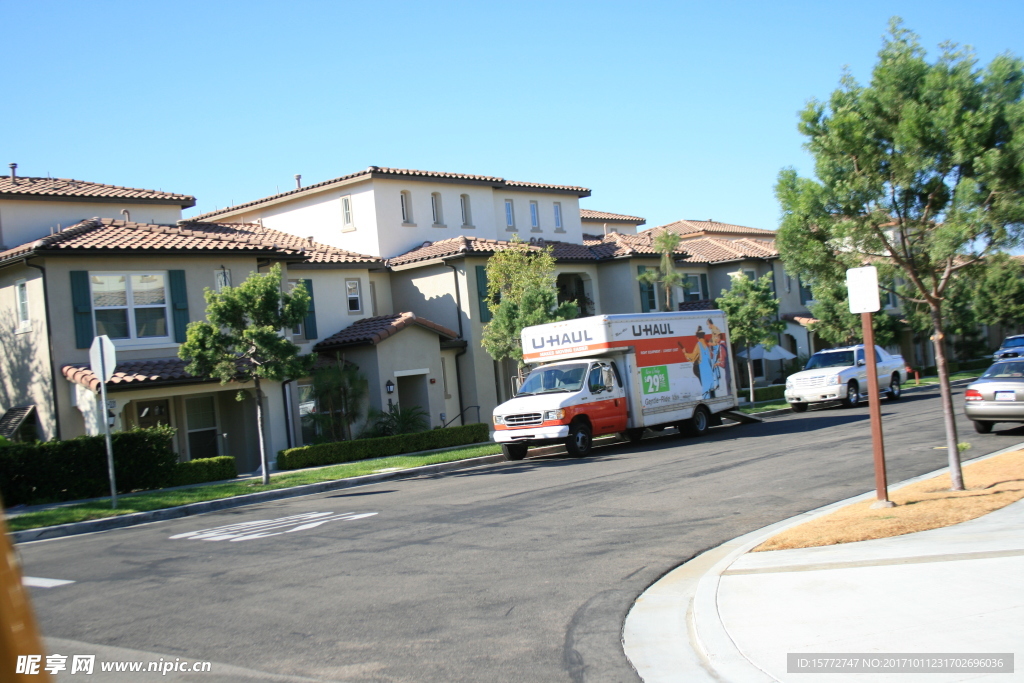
(731, 615)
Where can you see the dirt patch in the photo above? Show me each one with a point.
(991, 484)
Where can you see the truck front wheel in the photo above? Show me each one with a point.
(852, 399)
(579, 441)
(798, 407)
(514, 451)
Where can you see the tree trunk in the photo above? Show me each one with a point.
(750, 373)
(953, 451)
(259, 431)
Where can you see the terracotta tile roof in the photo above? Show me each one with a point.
(691, 227)
(717, 250)
(591, 215)
(98, 235)
(135, 374)
(28, 187)
(803, 320)
(699, 305)
(562, 251)
(617, 245)
(385, 172)
(377, 329)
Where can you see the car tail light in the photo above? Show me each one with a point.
(973, 395)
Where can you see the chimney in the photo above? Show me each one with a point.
(14, 174)
(298, 181)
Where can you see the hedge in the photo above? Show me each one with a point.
(56, 471)
(203, 470)
(768, 393)
(364, 449)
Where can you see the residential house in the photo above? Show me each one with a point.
(603, 222)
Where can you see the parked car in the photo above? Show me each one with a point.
(1012, 347)
(997, 396)
(840, 375)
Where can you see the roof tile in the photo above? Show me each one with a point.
(692, 227)
(66, 187)
(591, 215)
(376, 329)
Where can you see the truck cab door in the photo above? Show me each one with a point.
(607, 400)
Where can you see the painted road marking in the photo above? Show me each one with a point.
(262, 528)
(35, 582)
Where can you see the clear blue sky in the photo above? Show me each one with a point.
(665, 110)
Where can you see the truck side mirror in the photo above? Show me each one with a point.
(609, 379)
(860, 361)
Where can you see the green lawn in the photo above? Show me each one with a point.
(156, 500)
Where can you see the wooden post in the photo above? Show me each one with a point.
(875, 410)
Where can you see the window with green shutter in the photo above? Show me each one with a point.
(481, 290)
(81, 304)
(179, 304)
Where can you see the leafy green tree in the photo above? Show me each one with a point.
(918, 173)
(521, 292)
(340, 391)
(753, 314)
(666, 275)
(999, 298)
(837, 325)
(241, 339)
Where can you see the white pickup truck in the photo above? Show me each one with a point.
(841, 375)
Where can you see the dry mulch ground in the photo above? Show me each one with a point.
(991, 484)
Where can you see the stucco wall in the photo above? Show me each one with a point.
(23, 221)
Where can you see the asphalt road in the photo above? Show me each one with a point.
(511, 572)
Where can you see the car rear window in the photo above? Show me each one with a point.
(1004, 370)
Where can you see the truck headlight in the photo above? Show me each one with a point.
(554, 414)
(499, 419)
(834, 379)
(789, 384)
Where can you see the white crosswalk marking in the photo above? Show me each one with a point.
(263, 528)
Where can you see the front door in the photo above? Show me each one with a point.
(153, 413)
(201, 425)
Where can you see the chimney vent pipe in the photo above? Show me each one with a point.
(14, 175)
(298, 181)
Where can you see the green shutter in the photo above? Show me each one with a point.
(705, 291)
(81, 303)
(179, 304)
(481, 290)
(648, 301)
(309, 324)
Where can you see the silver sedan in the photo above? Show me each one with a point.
(998, 396)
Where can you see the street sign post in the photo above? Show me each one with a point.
(102, 361)
(862, 285)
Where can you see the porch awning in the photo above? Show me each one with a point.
(135, 374)
(802, 320)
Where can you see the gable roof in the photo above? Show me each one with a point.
(481, 246)
(400, 173)
(712, 228)
(605, 217)
(107, 235)
(378, 328)
(67, 188)
(717, 250)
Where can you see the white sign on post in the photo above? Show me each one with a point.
(102, 361)
(862, 285)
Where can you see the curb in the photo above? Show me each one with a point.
(108, 523)
(682, 607)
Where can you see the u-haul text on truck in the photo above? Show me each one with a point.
(623, 374)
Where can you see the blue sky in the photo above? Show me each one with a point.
(665, 110)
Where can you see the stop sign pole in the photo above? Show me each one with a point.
(862, 285)
(103, 360)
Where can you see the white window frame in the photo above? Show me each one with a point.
(751, 274)
(358, 297)
(130, 307)
(221, 278)
(24, 315)
(691, 278)
(437, 210)
(534, 217)
(510, 215)
(216, 425)
(405, 198)
(558, 217)
(467, 211)
(347, 221)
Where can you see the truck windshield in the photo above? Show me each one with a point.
(830, 359)
(549, 379)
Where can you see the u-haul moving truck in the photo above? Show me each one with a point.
(618, 374)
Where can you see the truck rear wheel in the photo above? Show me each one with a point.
(579, 441)
(514, 451)
(697, 425)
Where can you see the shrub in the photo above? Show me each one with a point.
(52, 471)
(775, 391)
(363, 449)
(203, 470)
